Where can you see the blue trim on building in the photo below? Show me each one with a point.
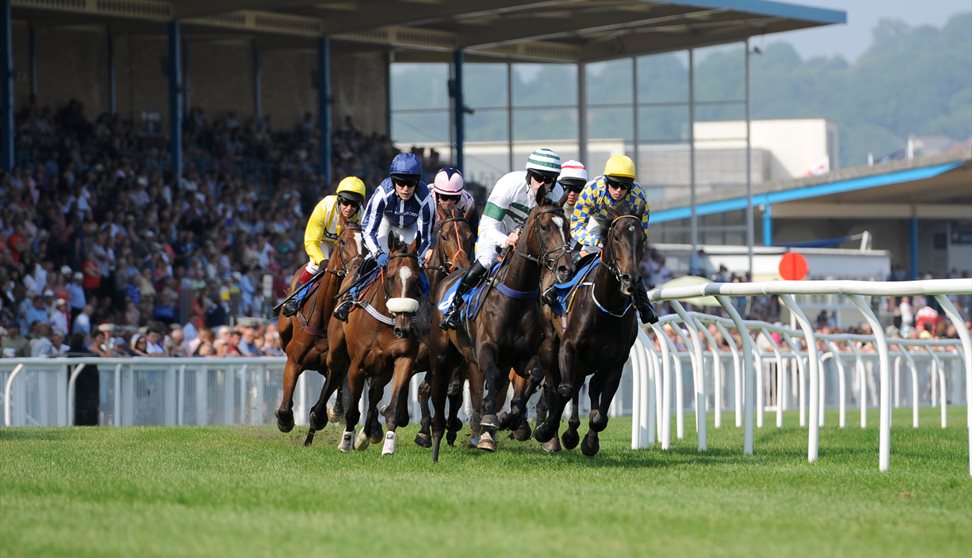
(768, 225)
(767, 8)
(806, 192)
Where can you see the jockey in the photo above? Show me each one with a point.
(615, 189)
(401, 205)
(512, 198)
(448, 193)
(323, 229)
(573, 178)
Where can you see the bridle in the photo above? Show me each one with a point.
(612, 265)
(381, 272)
(345, 264)
(447, 266)
(548, 258)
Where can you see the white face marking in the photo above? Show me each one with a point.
(404, 274)
(357, 241)
(559, 221)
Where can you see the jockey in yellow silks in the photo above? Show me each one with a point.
(323, 230)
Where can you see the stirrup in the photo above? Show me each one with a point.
(343, 309)
(290, 308)
(450, 320)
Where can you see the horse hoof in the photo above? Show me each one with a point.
(522, 434)
(543, 433)
(285, 420)
(390, 443)
(590, 446)
(344, 446)
(486, 442)
(451, 437)
(489, 421)
(423, 440)
(377, 435)
(570, 439)
(309, 439)
(453, 424)
(504, 420)
(598, 421)
(553, 446)
(565, 390)
(361, 441)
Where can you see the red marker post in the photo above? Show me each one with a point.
(793, 267)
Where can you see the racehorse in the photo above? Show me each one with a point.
(303, 335)
(506, 331)
(454, 245)
(600, 330)
(376, 346)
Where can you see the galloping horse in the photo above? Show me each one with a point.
(601, 328)
(453, 247)
(373, 345)
(302, 336)
(507, 330)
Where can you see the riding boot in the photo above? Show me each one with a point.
(645, 309)
(343, 309)
(450, 320)
(293, 305)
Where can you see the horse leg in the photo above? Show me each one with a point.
(398, 405)
(570, 437)
(492, 400)
(476, 403)
(371, 429)
(336, 413)
(285, 412)
(521, 397)
(556, 399)
(454, 392)
(318, 417)
(423, 437)
(285, 328)
(599, 414)
(352, 414)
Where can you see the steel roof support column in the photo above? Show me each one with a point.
(582, 113)
(175, 98)
(691, 92)
(509, 113)
(324, 104)
(913, 248)
(750, 233)
(32, 53)
(7, 96)
(458, 108)
(635, 131)
(257, 78)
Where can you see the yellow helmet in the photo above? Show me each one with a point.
(352, 189)
(620, 166)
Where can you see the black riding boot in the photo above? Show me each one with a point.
(350, 297)
(645, 309)
(450, 320)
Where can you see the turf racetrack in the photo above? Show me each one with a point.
(251, 491)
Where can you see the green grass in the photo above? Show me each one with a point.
(251, 491)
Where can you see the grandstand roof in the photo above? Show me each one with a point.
(935, 187)
(429, 30)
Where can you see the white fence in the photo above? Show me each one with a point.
(810, 370)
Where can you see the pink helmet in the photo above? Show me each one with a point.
(448, 182)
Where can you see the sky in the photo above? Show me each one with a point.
(850, 40)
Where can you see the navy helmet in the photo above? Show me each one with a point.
(405, 164)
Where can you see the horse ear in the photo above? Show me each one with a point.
(541, 195)
(393, 242)
(470, 212)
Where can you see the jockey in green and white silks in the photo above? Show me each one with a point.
(509, 203)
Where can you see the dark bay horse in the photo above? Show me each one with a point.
(601, 328)
(454, 245)
(506, 332)
(303, 336)
(377, 346)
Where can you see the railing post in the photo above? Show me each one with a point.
(884, 445)
(812, 360)
(841, 383)
(963, 333)
(737, 375)
(750, 383)
(666, 383)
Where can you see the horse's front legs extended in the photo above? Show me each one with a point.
(397, 411)
(604, 384)
(285, 412)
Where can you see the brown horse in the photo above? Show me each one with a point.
(303, 336)
(377, 346)
(453, 249)
(506, 332)
(601, 328)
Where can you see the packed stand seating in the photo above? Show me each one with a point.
(94, 229)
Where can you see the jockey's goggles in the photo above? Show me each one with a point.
(405, 181)
(616, 184)
(575, 187)
(448, 197)
(543, 178)
(345, 201)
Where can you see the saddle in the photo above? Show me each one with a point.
(473, 299)
(565, 291)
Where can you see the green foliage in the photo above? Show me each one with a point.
(251, 491)
(912, 81)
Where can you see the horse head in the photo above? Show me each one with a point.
(622, 247)
(402, 283)
(454, 240)
(548, 237)
(349, 246)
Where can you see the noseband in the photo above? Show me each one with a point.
(612, 265)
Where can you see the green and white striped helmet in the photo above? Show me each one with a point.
(545, 161)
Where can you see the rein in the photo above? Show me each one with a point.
(441, 266)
